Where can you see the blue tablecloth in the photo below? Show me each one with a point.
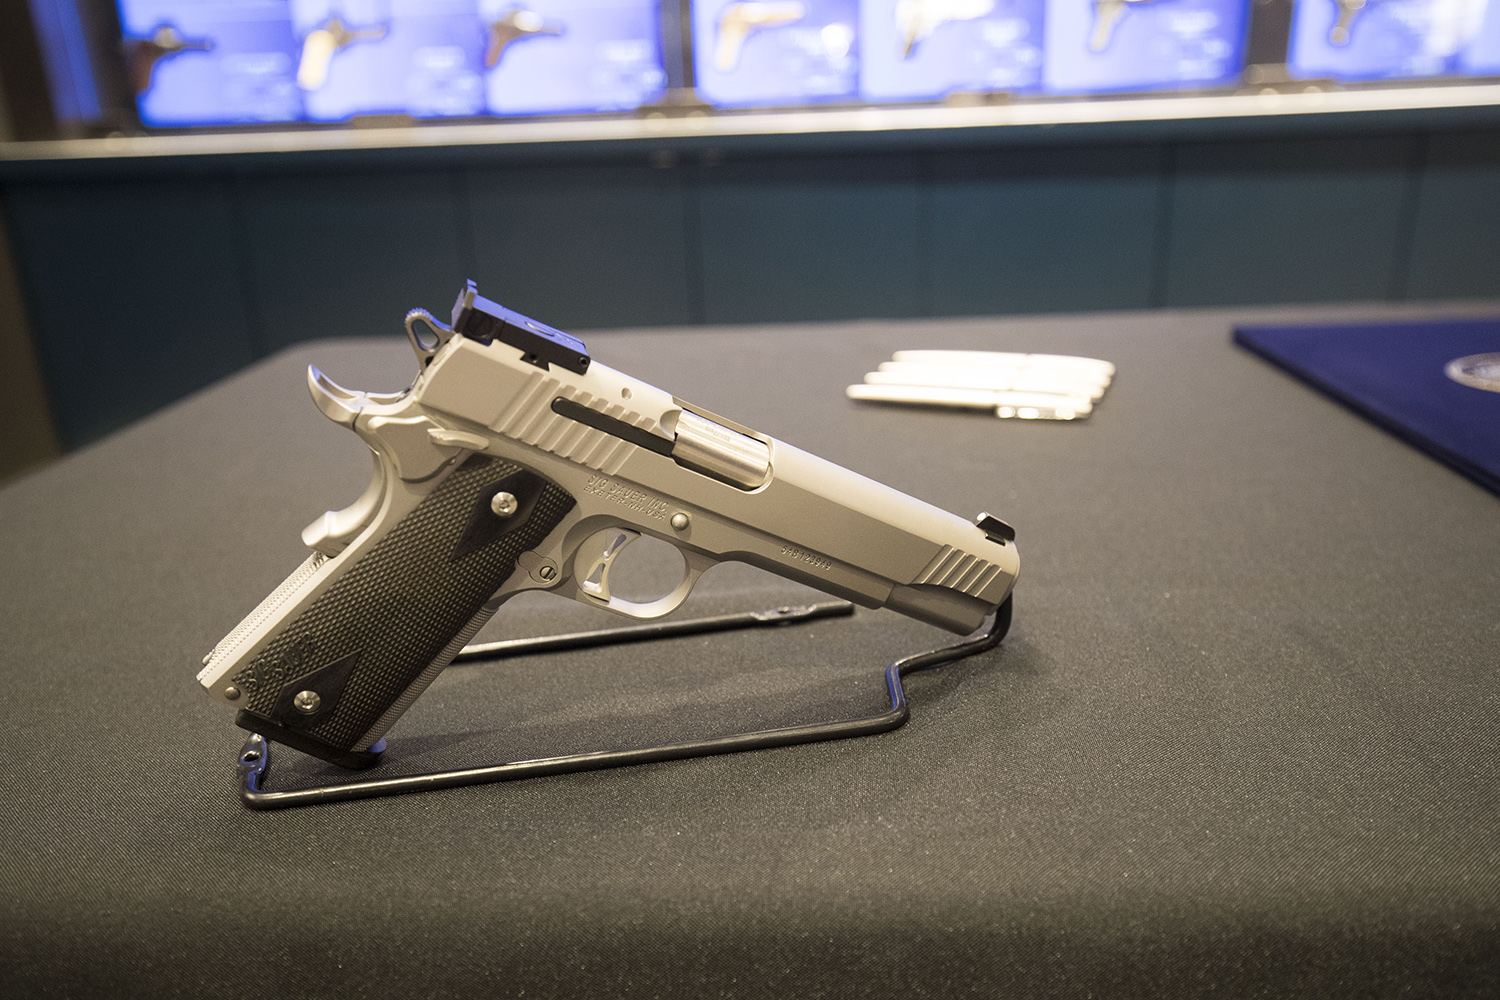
(1393, 373)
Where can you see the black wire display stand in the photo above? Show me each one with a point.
(255, 756)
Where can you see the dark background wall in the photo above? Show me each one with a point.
(143, 283)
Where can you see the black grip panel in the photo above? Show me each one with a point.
(371, 635)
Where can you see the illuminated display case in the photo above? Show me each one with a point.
(1355, 40)
(749, 53)
(254, 61)
(561, 57)
(244, 62)
(542, 70)
(916, 51)
(210, 63)
(1111, 46)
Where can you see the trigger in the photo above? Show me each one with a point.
(595, 580)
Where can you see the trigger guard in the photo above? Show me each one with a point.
(659, 607)
(695, 566)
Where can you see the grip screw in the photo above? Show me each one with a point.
(307, 702)
(504, 504)
(680, 521)
(547, 572)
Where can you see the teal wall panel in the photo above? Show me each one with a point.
(1018, 230)
(134, 294)
(1303, 220)
(1456, 234)
(334, 255)
(142, 290)
(813, 239)
(584, 246)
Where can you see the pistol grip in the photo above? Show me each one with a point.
(341, 673)
(1107, 14)
(317, 56)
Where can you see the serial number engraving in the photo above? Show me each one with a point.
(627, 496)
(805, 556)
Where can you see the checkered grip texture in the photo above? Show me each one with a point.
(400, 605)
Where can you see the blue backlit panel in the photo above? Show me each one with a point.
(364, 57)
(1481, 57)
(913, 50)
(211, 62)
(572, 56)
(1390, 39)
(245, 62)
(1102, 46)
(226, 62)
(776, 52)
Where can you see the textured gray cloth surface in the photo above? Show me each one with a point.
(1242, 739)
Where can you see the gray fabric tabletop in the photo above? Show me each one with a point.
(1241, 740)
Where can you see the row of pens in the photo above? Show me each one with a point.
(1013, 386)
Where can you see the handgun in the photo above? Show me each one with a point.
(514, 25)
(916, 20)
(323, 43)
(1107, 16)
(142, 54)
(1343, 28)
(739, 21)
(515, 463)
